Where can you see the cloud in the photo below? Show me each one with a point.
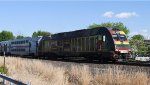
(121, 15)
(145, 30)
(108, 14)
(126, 14)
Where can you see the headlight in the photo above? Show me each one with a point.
(129, 50)
(116, 50)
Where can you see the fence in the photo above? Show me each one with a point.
(11, 81)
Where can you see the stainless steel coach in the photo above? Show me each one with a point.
(25, 46)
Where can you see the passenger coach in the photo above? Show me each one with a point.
(25, 46)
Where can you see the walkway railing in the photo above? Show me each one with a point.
(11, 81)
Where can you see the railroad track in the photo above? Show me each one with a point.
(144, 64)
(84, 61)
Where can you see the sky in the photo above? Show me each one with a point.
(25, 17)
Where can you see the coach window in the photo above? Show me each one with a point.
(27, 41)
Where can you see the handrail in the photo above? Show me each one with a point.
(4, 77)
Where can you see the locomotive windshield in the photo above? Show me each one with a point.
(119, 37)
(115, 37)
(122, 37)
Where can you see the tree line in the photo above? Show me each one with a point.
(136, 42)
(7, 35)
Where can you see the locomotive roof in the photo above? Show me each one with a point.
(80, 33)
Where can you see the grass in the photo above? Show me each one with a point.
(3, 69)
(41, 73)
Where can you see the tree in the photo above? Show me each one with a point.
(6, 35)
(118, 25)
(41, 33)
(138, 45)
(20, 36)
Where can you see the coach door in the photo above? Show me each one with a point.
(32, 48)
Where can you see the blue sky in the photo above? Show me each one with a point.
(25, 17)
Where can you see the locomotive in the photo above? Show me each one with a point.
(98, 43)
(105, 44)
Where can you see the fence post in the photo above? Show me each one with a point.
(11, 83)
(4, 63)
(4, 79)
(28, 83)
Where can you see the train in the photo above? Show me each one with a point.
(23, 47)
(101, 43)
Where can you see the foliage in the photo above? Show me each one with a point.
(20, 37)
(41, 33)
(138, 45)
(3, 70)
(6, 35)
(118, 25)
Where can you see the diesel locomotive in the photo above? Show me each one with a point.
(93, 44)
(98, 43)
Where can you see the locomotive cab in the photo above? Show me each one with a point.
(122, 47)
